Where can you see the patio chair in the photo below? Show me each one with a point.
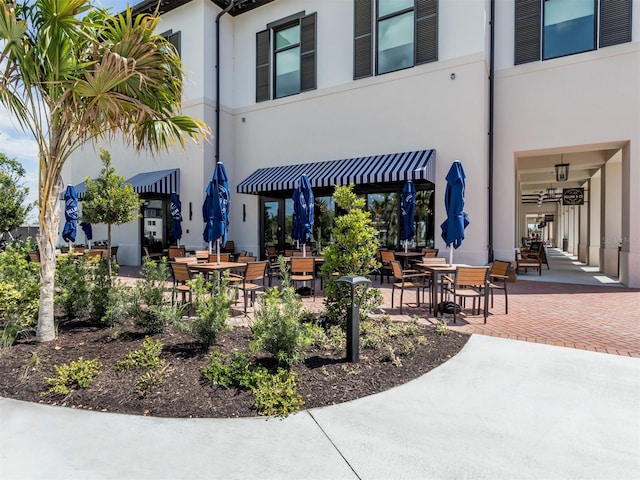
(181, 277)
(229, 247)
(469, 282)
(303, 270)
(202, 255)
(528, 260)
(175, 252)
(273, 265)
(404, 280)
(96, 254)
(386, 257)
(224, 257)
(34, 257)
(156, 256)
(252, 280)
(498, 277)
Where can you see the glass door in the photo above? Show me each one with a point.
(271, 219)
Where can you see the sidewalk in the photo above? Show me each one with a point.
(501, 409)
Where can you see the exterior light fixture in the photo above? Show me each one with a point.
(551, 192)
(562, 172)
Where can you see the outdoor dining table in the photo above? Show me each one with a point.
(209, 267)
(436, 270)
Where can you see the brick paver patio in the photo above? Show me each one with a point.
(598, 318)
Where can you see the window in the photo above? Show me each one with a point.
(546, 29)
(569, 27)
(403, 33)
(173, 38)
(287, 65)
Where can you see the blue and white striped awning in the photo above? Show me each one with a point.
(393, 167)
(161, 181)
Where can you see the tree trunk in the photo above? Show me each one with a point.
(109, 251)
(49, 223)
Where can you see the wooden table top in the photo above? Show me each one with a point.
(211, 266)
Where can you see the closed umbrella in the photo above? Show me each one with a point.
(408, 208)
(88, 232)
(457, 219)
(215, 210)
(176, 217)
(303, 213)
(70, 214)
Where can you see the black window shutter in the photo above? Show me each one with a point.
(426, 31)
(363, 39)
(174, 39)
(615, 22)
(263, 55)
(308, 52)
(527, 31)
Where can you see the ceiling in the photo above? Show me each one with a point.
(536, 172)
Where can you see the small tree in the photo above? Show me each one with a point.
(353, 253)
(13, 194)
(109, 200)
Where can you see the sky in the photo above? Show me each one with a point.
(21, 146)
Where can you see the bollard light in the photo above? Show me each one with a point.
(353, 314)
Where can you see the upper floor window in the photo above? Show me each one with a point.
(287, 65)
(546, 29)
(173, 38)
(402, 33)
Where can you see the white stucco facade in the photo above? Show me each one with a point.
(581, 107)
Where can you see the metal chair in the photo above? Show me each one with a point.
(181, 277)
(404, 280)
(253, 272)
(303, 270)
(469, 282)
(498, 277)
(175, 252)
(224, 257)
(386, 257)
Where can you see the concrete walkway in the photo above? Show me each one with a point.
(501, 409)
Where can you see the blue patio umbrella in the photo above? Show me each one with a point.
(70, 214)
(176, 217)
(215, 210)
(408, 208)
(457, 219)
(88, 231)
(303, 212)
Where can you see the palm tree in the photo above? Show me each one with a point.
(72, 73)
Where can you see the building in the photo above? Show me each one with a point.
(400, 89)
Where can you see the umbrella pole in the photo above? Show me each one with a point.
(218, 249)
(304, 249)
(406, 245)
(451, 254)
(209, 248)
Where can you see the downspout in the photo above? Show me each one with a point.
(491, 113)
(217, 129)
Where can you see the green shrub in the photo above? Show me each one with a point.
(353, 253)
(212, 301)
(73, 286)
(276, 394)
(277, 328)
(146, 358)
(235, 370)
(19, 292)
(71, 376)
(147, 302)
(103, 299)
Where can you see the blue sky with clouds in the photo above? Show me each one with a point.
(16, 144)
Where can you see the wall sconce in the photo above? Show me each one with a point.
(190, 211)
(244, 212)
(562, 172)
